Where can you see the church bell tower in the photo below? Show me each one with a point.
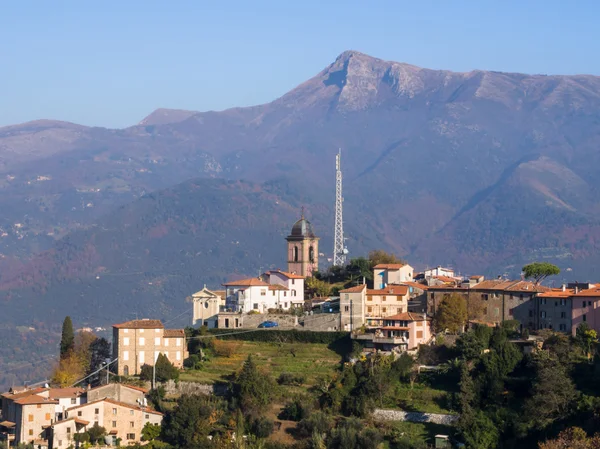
(303, 248)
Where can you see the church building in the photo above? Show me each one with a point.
(303, 248)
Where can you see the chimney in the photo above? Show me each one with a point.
(499, 276)
(564, 287)
(364, 280)
(576, 287)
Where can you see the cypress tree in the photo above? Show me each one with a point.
(67, 342)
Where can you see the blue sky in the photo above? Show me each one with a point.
(110, 63)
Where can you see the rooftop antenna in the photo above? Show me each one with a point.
(339, 248)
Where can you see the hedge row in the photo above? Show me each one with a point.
(276, 335)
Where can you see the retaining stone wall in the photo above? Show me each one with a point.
(399, 415)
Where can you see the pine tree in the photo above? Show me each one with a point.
(67, 342)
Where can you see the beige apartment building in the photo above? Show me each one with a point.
(121, 421)
(360, 306)
(139, 342)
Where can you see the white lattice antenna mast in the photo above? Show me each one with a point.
(339, 249)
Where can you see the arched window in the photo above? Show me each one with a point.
(311, 254)
(295, 254)
(126, 370)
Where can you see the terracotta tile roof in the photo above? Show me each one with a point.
(416, 285)
(81, 422)
(389, 266)
(277, 287)
(447, 287)
(22, 394)
(476, 276)
(406, 316)
(399, 290)
(589, 292)
(394, 328)
(173, 333)
(57, 393)
(140, 324)
(287, 274)
(355, 289)
(35, 399)
(446, 279)
(251, 282)
(558, 293)
(510, 286)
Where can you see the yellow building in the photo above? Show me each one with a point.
(139, 342)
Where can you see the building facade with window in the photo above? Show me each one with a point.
(492, 301)
(294, 283)
(586, 307)
(139, 342)
(391, 273)
(121, 421)
(398, 333)
(302, 248)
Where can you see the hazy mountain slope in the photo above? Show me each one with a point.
(439, 166)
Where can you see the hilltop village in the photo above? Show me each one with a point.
(380, 304)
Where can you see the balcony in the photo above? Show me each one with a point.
(381, 338)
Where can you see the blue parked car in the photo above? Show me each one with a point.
(267, 324)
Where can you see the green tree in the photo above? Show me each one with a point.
(451, 314)
(480, 432)
(67, 341)
(100, 351)
(538, 271)
(378, 256)
(553, 393)
(96, 433)
(165, 370)
(471, 344)
(253, 388)
(150, 431)
(191, 421)
(317, 287)
(586, 338)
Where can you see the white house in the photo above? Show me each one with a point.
(294, 297)
(391, 273)
(246, 295)
(438, 271)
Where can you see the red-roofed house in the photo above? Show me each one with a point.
(391, 273)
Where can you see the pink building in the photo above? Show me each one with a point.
(586, 309)
(399, 333)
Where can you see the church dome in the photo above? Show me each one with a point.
(303, 229)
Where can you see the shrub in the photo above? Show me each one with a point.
(318, 422)
(297, 409)
(165, 370)
(225, 348)
(291, 379)
(287, 336)
(261, 427)
(193, 362)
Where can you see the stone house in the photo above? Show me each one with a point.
(139, 342)
(553, 310)
(492, 301)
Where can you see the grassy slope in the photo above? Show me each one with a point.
(311, 360)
